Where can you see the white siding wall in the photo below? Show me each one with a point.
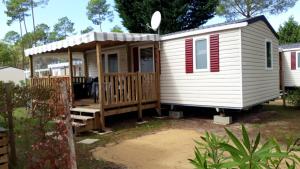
(291, 77)
(122, 60)
(209, 89)
(12, 74)
(259, 84)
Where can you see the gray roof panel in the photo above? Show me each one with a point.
(290, 46)
(248, 20)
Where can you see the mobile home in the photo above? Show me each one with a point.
(290, 62)
(232, 66)
(11, 74)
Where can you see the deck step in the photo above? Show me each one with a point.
(75, 124)
(78, 117)
(85, 110)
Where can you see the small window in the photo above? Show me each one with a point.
(298, 60)
(112, 63)
(146, 59)
(201, 54)
(269, 58)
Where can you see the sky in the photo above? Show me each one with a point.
(75, 10)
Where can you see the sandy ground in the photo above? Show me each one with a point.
(172, 152)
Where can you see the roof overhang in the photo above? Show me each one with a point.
(86, 40)
(287, 50)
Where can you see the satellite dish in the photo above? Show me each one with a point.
(155, 20)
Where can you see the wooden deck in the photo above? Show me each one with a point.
(121, 93)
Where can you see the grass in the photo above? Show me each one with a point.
(284, 122)
(84, 160)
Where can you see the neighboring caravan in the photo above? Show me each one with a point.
(290, 57)
(11, 74)
(232, 65)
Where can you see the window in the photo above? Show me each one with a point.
(112, 63)
(201, 54)
(269, 58)
(146, 59)
(298, 60)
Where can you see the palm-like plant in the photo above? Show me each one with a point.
(244, 153)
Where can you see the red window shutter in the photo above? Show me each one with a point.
(189, 55)
(135, 53)
(214, 53)
(293, 60)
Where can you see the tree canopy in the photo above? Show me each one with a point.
(8, 55)
(98, 11)
(116, 28)
(289, 32)
(233, 9)
(12, 37)
(64, 28)
(87, 30)
(176, 14)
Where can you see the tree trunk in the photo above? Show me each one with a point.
(32, 15)
(11, 134)
(33, 21)
(22, 45)
(63, 88)
(24, 22)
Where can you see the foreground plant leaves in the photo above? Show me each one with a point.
(218, 153)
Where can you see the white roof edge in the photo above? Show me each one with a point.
(203, 31)
(286, 50)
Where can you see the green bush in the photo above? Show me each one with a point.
(293, 97)
(218, 153)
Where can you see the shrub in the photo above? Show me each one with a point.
(293, 97)
(218, 153)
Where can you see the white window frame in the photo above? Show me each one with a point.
(144, 47)
(266, 56)
(106, 53)
(297, 60)
(208, 53)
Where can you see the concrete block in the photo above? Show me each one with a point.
(176, 114)
(222, 120)
(88, 141)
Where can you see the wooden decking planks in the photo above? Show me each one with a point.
(85, 110)
(79, 117)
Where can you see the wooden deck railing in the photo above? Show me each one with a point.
(79, 80)
(124, 89)
(148, 85)
(51, 81)
(120, 89)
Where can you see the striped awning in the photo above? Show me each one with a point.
(91, 37)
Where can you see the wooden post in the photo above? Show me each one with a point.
(11, 134)
(86, 69)
(129, 59)
(71, 76)
(31, 67)
(68, 122)
(157, 72)
(281, 74)
(101, 82)
(140, 97)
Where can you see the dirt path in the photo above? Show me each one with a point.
(168, 149)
